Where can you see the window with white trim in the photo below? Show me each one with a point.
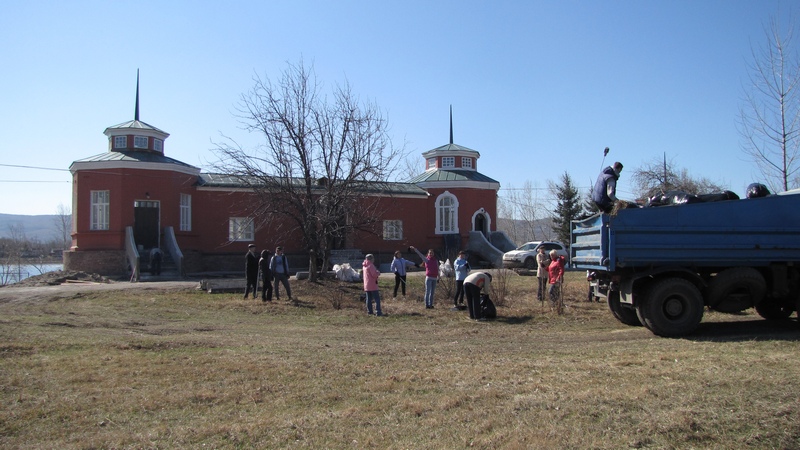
(241, 229)
(186, 212)
(448, 161)
(99, 213)
(120, 141)
(466, 162)
(446, 213)
(392, 230)
(158, 145)
(140, 141)
(430, 163)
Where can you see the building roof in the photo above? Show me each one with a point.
(219, 180)
(136, 125)
(134, 156)
(451, 175)
(453, 147)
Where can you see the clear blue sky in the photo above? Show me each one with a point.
(538, 88)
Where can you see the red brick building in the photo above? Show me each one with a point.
(133, 197)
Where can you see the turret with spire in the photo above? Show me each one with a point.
(135, 135)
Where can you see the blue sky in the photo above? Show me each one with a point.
(538, 88)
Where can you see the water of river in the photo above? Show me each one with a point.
(12, 273)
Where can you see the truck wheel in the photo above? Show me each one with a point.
(774, 309)
(672, 307)
(530, 263)
(622, 313)
(736, 289)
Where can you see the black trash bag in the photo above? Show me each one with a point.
(757, 190)
(718, 196)
(488, 310)
(672, 198)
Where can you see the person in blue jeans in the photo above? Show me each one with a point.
(461, 267)
(431, 274)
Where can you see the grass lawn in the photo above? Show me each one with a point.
(152, 368)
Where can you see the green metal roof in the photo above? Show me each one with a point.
(134, 156)
(451, 175)
(220, 180)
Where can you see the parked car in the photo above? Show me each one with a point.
(525, 255)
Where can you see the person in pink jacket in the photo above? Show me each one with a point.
(431, 274)
(370, 275)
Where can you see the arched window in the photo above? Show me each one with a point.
(446, 213)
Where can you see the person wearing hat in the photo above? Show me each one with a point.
(251, 270)
(280, 271)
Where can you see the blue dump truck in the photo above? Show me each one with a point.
(662, 266)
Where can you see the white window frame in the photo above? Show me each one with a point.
(446, 213)
(99, 213)
(186, 212)
(241, 229)
(139, 140)
(120, 141)
(431, 163)
(158, 145)
(392, 230)
(448, 161)
(466, 162)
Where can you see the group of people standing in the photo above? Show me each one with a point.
(467, 285)
(273, 269)
(549, 271)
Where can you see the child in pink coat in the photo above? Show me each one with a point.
(370, 275)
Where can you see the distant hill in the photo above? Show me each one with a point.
(42, 228)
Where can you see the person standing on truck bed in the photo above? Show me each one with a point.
(604, 193)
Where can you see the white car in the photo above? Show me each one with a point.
(525, 256)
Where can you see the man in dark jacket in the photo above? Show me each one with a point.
(604, 192)
(251, 270)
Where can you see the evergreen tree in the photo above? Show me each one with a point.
(569, 206)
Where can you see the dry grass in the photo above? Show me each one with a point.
(151, 369)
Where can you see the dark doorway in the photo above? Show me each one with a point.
(480, 224)
(145, 223)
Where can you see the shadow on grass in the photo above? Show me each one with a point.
(747, 330)
(515, 320)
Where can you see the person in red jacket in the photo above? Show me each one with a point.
(555, 274)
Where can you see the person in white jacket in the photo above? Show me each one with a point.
(473, 285)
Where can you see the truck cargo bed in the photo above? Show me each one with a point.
(749, 232)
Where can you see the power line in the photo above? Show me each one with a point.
(34, 167)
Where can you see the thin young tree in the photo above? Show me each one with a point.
(322, 161)
(769, 117)
(63, 223)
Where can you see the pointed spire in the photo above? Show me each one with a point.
(451, 124)
(136, 114)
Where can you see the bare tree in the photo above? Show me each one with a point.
(769, 119)
(63, 223)
(323, 164)
(658, 177)
(524, 211)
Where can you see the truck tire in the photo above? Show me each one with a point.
(734, 290)
(774, 309)
(671, 307)
(622, 313)
(530, 263)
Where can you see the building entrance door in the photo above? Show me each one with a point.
(145, 223)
